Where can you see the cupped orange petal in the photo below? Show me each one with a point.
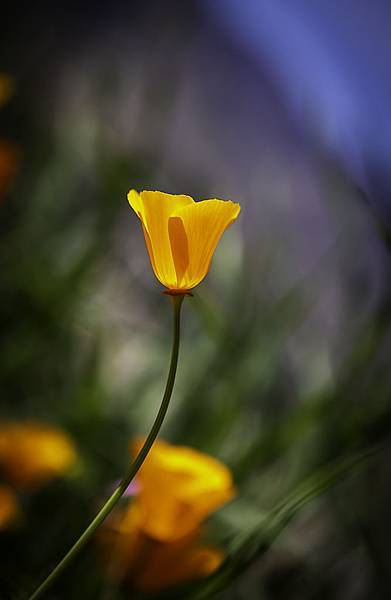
(198, 229)
(154, 210)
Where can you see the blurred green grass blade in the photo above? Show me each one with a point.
(249, 546)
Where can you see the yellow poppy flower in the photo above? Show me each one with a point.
(181, 235)
(157, 542)
(189, 486)
(9, 507)
(33, 453)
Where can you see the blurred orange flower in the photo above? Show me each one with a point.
(33, 453)
(181, 235)
(157, 542)
(9, 161)
(6, 88)
(9, 507)
(189, 485)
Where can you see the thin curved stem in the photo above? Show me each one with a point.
(119, 491)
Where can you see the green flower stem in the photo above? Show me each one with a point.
(119, 491)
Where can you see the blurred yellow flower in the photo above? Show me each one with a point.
(6, 88)
(9, 507)
(157, 542)
(181, 235)
(189, 486)
(33, 453)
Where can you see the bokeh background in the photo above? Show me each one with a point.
(283, 106)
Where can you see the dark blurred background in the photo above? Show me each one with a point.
(283, 106)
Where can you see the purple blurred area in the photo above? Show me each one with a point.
(330, 62)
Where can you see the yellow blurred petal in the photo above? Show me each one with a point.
(202, 225)
(148, 564)
(6, 88)
(33, 453)
(189, 487)
(154, 210)
(167, 565)
(9, 507)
